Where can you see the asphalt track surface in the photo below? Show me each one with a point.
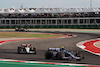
(9, 50)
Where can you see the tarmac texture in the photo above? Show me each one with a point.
(9, 50)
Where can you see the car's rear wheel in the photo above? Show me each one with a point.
(48, 55)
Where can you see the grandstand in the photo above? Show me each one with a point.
(50, 17)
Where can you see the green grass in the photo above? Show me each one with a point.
(27, 35)
(18, 64)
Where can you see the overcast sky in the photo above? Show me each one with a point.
(48, 3)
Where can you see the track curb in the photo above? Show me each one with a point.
(91, 42)
(66, 36)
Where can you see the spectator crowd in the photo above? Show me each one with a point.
(51, 15)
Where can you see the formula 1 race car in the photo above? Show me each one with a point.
(59, 53)
(21, 29)
(26, 48)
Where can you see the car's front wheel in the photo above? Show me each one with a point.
(59, 56)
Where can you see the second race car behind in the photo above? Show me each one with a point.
(26, 48)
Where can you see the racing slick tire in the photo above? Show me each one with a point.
(48, 55)
(19, 50)
(67, 55)
(35, 50)
(79, 55)
(16, 30)
(59, 56)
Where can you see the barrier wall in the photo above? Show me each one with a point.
(53, 26)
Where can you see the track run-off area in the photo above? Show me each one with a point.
(8, 49)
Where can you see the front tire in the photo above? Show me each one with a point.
(79, 55)
(58, 56)
(35, 50)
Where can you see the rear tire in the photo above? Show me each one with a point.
(19, 50)
(67, 55)
(48, 55)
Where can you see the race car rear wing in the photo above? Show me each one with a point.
(54, 49)
(25, 44)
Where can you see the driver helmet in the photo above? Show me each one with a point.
(26, 43)
(62, 47)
